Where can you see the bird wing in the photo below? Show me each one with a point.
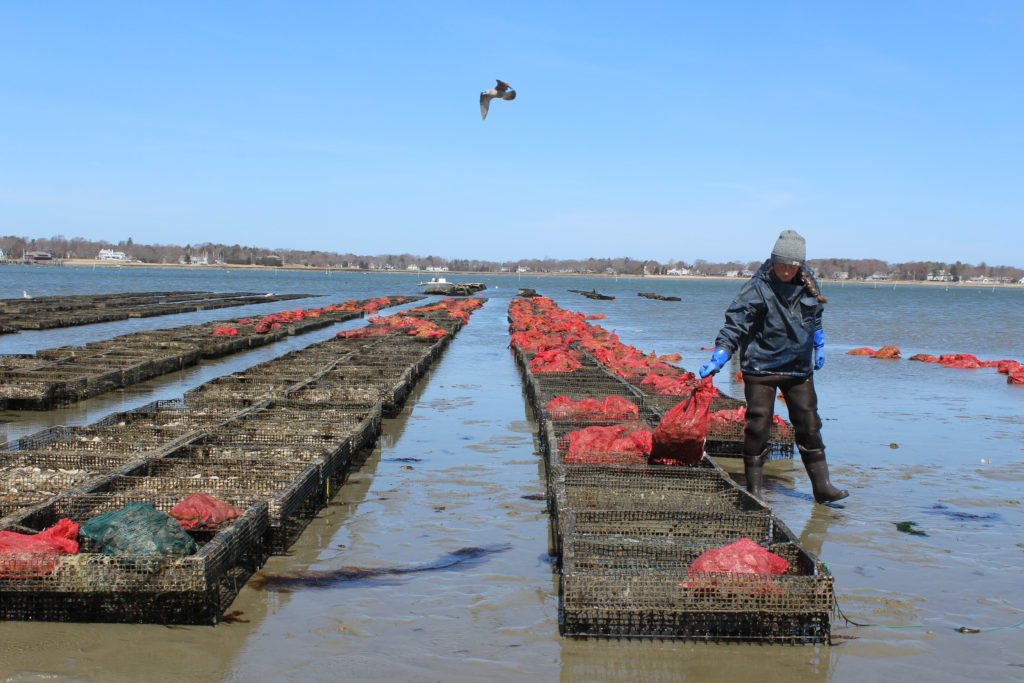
(502, 86)
(485, 104)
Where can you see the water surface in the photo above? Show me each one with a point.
(458, 469)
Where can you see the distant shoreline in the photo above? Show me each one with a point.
(425, 274)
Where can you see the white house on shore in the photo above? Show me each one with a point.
(111, 255)
(939, 276)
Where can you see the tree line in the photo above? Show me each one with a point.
(237, 254)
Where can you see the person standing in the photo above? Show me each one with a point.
(775, 325)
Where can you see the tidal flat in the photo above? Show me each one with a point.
(926, 551)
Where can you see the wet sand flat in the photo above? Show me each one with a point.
(458, 469)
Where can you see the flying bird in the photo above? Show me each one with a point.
(502, 90)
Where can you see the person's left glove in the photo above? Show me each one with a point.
(819, 349)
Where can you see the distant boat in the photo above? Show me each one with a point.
(439, 285)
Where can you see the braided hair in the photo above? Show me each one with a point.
(809, 284)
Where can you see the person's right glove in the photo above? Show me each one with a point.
(718, 358)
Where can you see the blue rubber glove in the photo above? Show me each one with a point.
(718, 359)
(819, 349)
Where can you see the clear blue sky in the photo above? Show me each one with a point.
(673, 130)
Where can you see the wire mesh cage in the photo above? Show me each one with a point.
(284, 497)
(667, 402)
(672, 603)
(237, 390)
(620, 580)
(171, 422)
(27, 485)
(672, 526)
(649, 492)
(341, 394)
(576, 491)
(190, 462)
(726, 440)
(77, 442)
(94, 587)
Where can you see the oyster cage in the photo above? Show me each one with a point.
(621, 585)
(94, 587)
(671, 603)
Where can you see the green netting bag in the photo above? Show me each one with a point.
(139, 529)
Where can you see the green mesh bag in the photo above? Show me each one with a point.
(139, 529)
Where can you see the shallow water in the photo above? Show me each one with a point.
(458, 469)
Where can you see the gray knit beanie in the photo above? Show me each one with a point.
(789, 249)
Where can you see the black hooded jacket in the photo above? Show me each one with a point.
(772, 323)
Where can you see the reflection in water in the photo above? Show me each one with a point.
(816, 528)
(658, 661)
(462, 558)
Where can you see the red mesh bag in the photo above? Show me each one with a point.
(25, 555)
(964, 361)
(677, 385)
(1015, 376)
(739, 559)
(679, 437)
(361, 332)
(264, 325)
(588, 406)
(1001, 366)
(203, 510)
(888, 352)
(617, 444)
(561, 408)
(531, 341)
(225, 332)
(727, 416)
(612, 408)
(617, 407)
(554, 361)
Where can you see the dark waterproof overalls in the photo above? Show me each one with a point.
(771, 324)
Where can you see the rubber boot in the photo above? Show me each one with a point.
(753, 469)
(817, 470)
